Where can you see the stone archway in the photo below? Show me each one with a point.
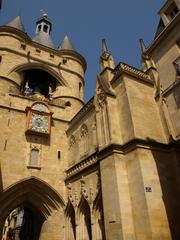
(37, 197)
(84, 219)
(70, 222)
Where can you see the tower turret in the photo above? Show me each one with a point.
(43, 30)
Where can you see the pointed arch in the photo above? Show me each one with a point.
(99, 231)
(28, 66)
(31, 192)
(84, 215)
(70, 221)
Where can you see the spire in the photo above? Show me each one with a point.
(66, 45)
(43, 30)
(16, 23)
(106, 58)
(142, 45)
(104, 46)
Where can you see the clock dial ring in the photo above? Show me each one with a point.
(39, 123)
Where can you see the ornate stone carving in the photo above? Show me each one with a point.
(72, 141)
(84, 130)
(101, 97)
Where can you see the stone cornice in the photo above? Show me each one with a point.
(18, 33)
(138, 74)
(83, 164)
(137, 143)
(84, 110)
(101, 154)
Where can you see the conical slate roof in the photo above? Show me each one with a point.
(16, 23)
(44, 39)
(66, 45)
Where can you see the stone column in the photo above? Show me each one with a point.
(116, 198)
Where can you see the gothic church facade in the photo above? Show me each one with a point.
(107, 169)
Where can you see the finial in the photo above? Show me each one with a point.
(143, 47)
(104, 46)
(44, 14)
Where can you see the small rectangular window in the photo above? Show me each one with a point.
(34, 158)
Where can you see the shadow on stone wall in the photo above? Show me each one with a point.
(1, 182)
(35, 139)
(168, 168)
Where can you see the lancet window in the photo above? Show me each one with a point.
(84, 140)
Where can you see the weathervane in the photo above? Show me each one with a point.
(44, 13)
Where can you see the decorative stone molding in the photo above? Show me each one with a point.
(84, 192)
(101, 97)
(122, 67)
(72, 141)
(84, 130)
(120, 149)
(85, 163)
(35, 146)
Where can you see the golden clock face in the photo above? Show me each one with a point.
(39, 123)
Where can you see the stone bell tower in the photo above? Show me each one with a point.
(41, 90)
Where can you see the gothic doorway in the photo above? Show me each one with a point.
(23, 223)
(27, 210)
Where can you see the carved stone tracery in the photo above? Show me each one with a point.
(101, 97)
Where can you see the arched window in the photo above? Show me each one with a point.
(45, 28)
(39, 27)
(84, 140)
(38, 82)
(73, 150)
(72, 141)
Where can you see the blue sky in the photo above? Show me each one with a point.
(121, 22)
